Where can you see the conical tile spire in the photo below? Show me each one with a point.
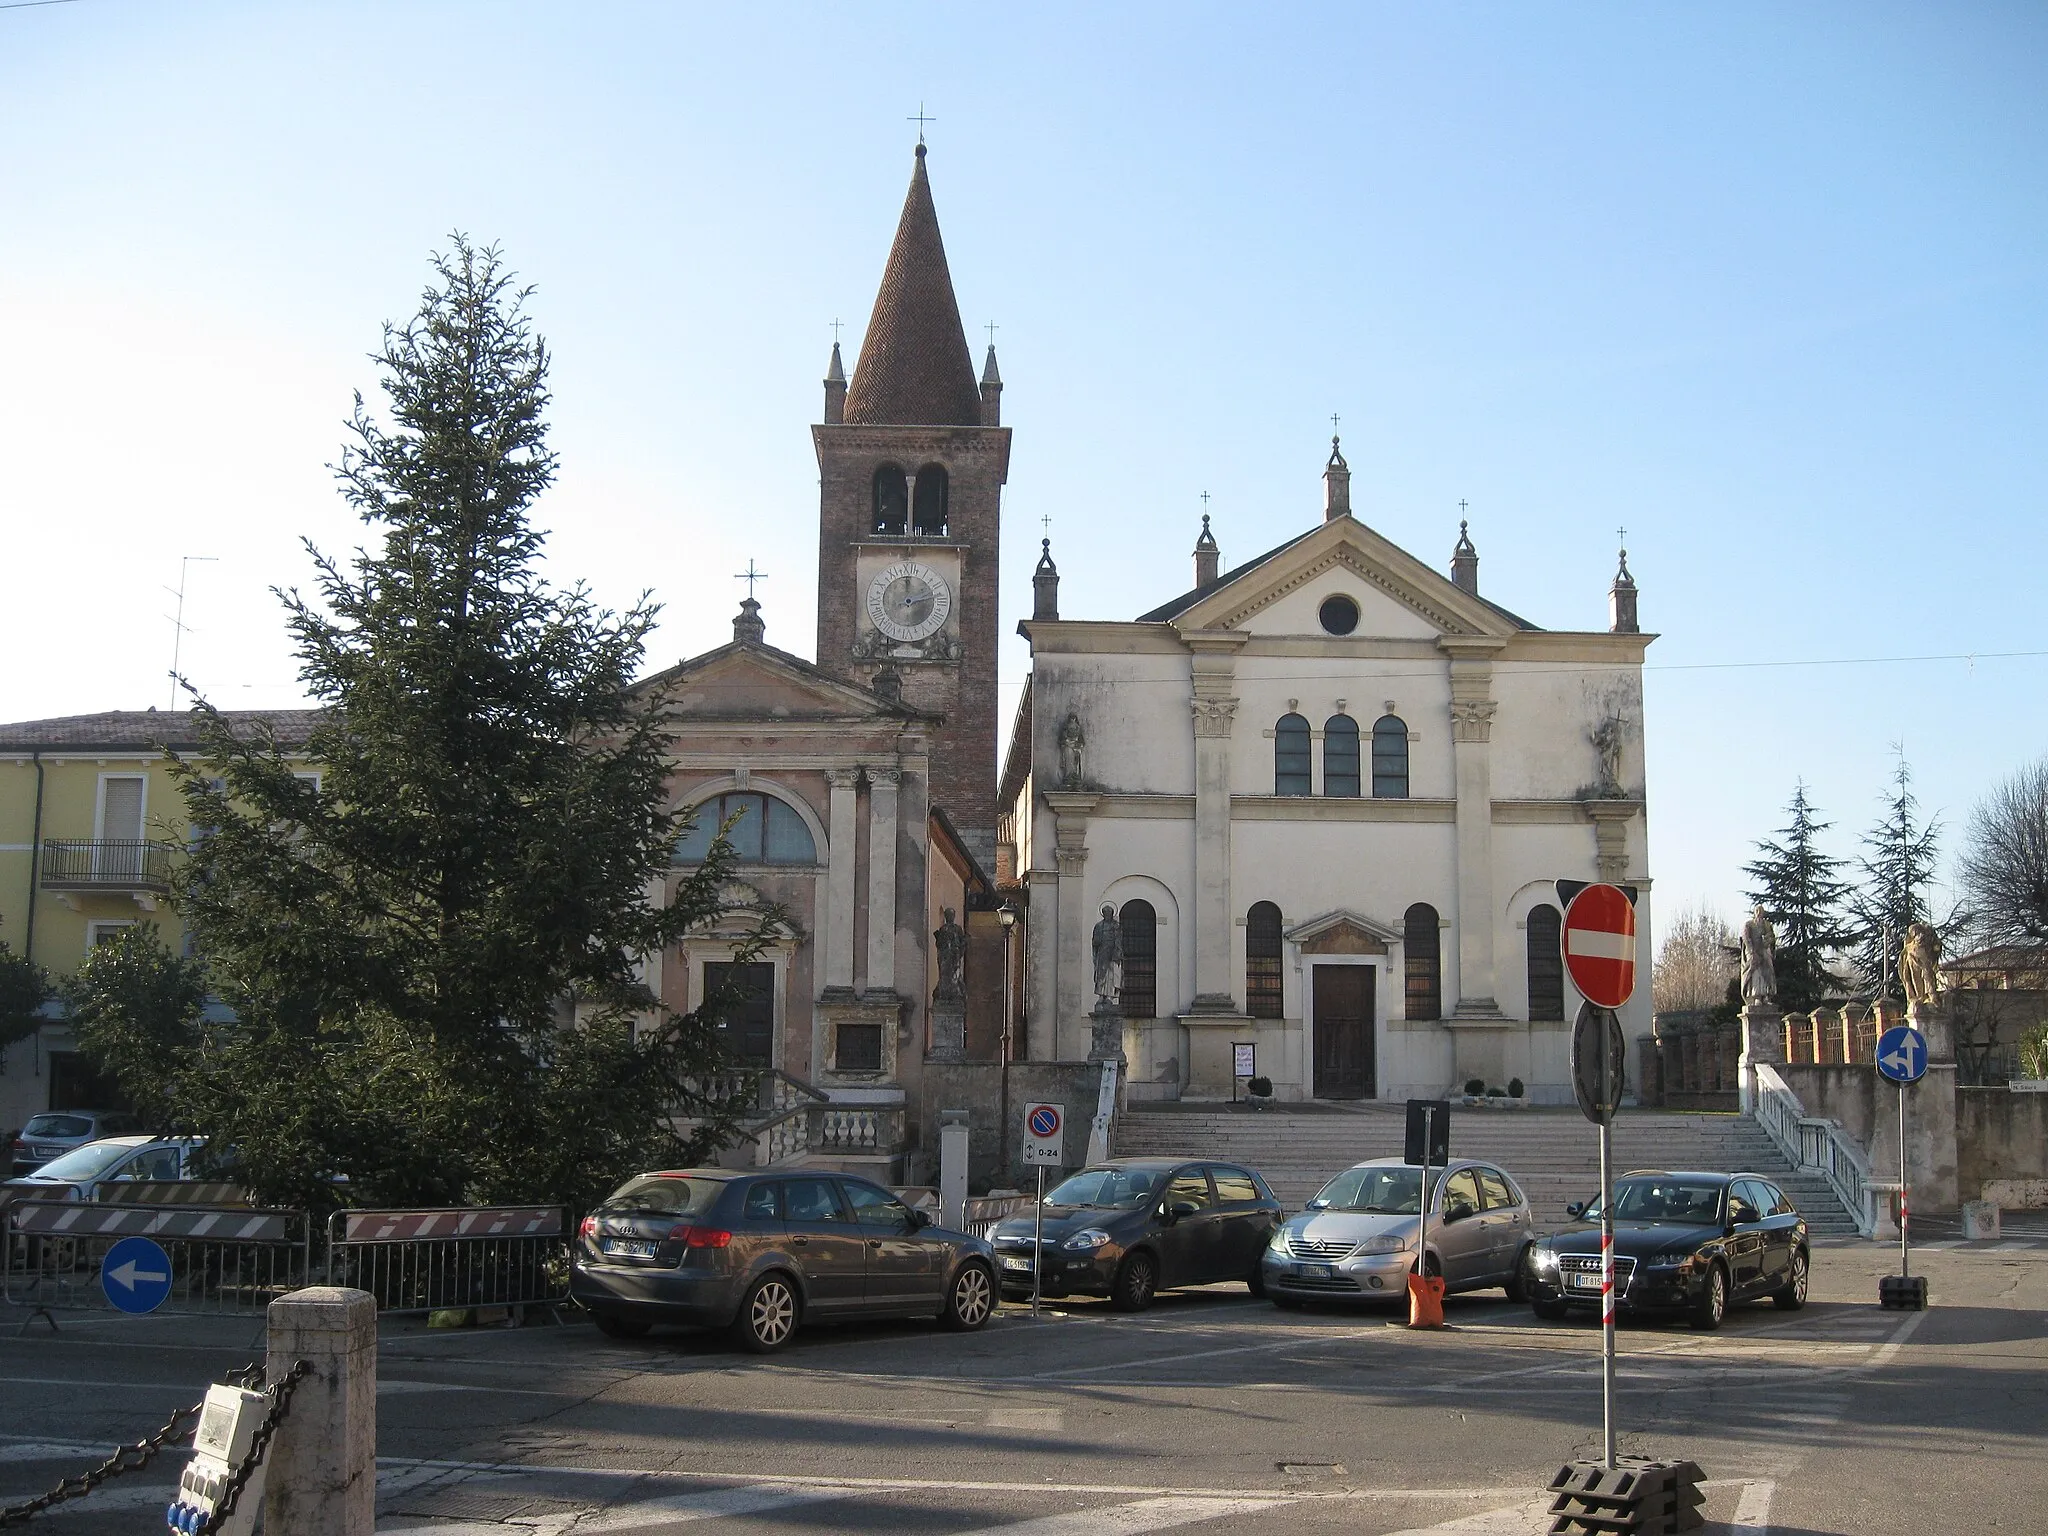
(915, 368)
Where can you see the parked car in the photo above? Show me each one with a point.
(52, 1134)
(760, 1254)
(1357, 1239)
(1692, 1243)
(82, 1173)
(1134, 1226)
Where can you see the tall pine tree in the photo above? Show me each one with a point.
(1899, 855)
(433, 952)
(1802, 891)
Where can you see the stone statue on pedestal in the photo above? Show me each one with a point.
(1759, 960)
(1108, 944)
(1608, 738)
(949, 997)
(1920, 964)
(1073, 744)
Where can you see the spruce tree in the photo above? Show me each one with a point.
(1800, 888)
(433, 952)
(24, 988)
(1899, 854)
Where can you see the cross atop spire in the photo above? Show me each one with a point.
(920, 120)
(750, 576)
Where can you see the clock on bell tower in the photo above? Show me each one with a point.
(912, 458)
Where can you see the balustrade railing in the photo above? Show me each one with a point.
(120, 864)
(1810, 1143)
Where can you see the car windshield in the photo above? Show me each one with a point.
(666, 1194)
(1691, 1202)
(87, 1162)
(1381, 1189)
(57, 1125)
(1106, 1188)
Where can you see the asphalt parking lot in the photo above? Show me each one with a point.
(1211, 1413)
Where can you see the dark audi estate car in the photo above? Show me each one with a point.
(760, 1253)
(1695, 1243)
(1133, 1226)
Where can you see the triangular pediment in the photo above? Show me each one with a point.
(1343, 932)
(749, 681)
(1396, 593)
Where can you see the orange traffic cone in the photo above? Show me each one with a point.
(1425, 1301)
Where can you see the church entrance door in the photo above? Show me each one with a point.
(748, 1028)
(1343, 1032)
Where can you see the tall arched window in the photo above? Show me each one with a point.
(928, 514)
(1390, 758)
(1290, 756)
(1340, 755)
(1546, 963)
(1141, 959)
(1422, 952)
(1262, 994)
(892, 500)
(764, 831)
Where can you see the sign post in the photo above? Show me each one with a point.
(1902, 1057)
(1599, 942)
(1044, 1136)
(1428, 1141)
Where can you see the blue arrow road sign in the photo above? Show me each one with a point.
(136, 1275)
(1902, 1054)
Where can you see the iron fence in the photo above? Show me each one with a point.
(434, 1260)
(119, 864)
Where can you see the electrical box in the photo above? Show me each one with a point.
(227, 1424)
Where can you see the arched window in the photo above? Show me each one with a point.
(929, 513)
(1390, 758)
(764, 831)
(1290, 756)
(1340, 755)
(892, 500)
(1422, 951)
(1262, 995)
(1546, 963)
(1141, 960)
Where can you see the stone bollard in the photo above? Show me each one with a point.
(1980, 1220)
(323, 1463)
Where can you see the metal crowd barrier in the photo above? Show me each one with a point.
(224, 1261)
(431, 1260)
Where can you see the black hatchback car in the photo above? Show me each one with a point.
(1691, 1243)
(758, 1254)
(1134, 1226)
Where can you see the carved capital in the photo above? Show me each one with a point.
(1472, 719)
(1214, 717)
(1070, 861)
(843, 778)
(884, 778)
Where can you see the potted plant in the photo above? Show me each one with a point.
(1518, 1094)
(1258, 1092)
(1475, 1090)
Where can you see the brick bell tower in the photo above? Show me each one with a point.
(912, 457)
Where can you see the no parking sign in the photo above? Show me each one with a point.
(1044, 1138)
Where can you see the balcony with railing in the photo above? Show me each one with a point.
(118, 867)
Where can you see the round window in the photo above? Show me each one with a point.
(1339, 614)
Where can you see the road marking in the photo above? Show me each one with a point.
(1514, 1520)
(1889, 1351)
(1753, 1510)
(48, 1450)
(1054, 1419)
(1128, 1519)
(1152, 1362)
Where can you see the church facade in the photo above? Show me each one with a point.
(1327, 796)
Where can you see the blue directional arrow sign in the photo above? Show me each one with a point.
(136, 1275)
(1902, 1054)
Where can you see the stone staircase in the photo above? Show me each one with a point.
(1553, 1154)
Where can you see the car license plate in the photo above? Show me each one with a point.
(1313, 1271)
(1017, 1261)
(627, 1248)
(1584, 1280)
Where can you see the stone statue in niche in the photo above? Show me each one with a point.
(1608, 738)
(949, 939)
(1759, 960)
(1108, 942)
(1920, 963)
(1072, 745)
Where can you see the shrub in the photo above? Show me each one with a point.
(1515, 1088)
(1475, 1086)
(1262, 1087)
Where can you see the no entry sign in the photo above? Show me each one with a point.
(1600, 945)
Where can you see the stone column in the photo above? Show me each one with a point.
(882, 879)
(1214, 713)
(323, 1464)
(1041, 963)
(839, 887)
(1472, 712)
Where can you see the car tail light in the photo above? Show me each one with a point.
(699, 1237)
(589, 1227)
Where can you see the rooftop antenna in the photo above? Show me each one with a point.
(185, 563)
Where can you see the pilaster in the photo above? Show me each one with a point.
(1472, 712)
(881, 970)
(1610, 820)
(1041, 963)
(839, 886)
(1212, 718)
(1076, 967)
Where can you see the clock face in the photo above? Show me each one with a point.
(909, 601)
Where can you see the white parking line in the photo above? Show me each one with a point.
(1753, 1510)
(1128, 1519)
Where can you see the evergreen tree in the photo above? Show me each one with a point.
(1899, 853)
(24, 988)
(136, 1008)
(433, 953)
(1801, 890)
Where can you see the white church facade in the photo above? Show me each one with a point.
(1328, 796)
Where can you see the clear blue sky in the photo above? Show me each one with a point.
(1763, 283)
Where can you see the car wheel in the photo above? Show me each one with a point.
(1793, 1296)
(1712, 1306)
(768, 1316)
(1137, 1280)
(1285, 1303)
(1255, 1282)
(1549, 1311)
(971, 1299)
(613, 1326)
(1517, 1286)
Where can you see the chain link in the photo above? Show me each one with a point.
(280, 1405)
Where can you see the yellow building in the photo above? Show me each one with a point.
(90, 824)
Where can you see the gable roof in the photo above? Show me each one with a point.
(152, 729)
(832, 697)
(915, 368)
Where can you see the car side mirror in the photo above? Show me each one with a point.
(919, 1219)
(1576, 1209)
(1458, 1210)
(1180, 1208)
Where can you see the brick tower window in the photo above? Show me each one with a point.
(892, 500)
(928, 516)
